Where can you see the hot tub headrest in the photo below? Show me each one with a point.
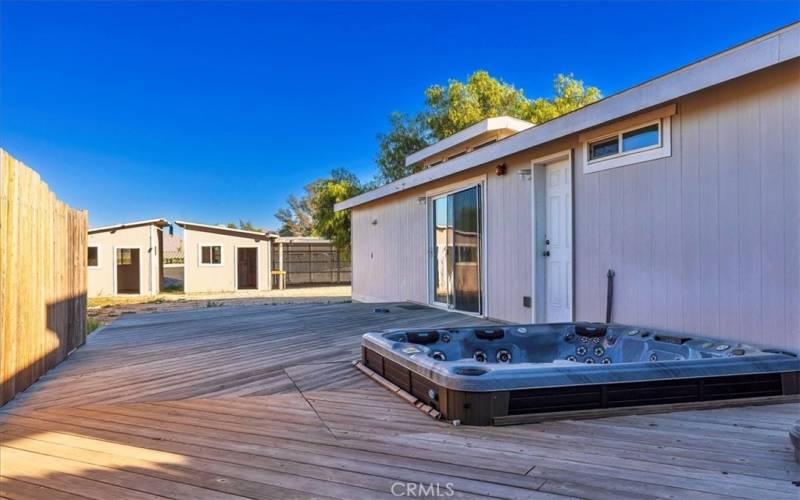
(494, 334)
(591, 329)
(428, 337)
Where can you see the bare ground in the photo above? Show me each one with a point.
(103, 310)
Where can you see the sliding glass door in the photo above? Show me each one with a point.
(456, 250)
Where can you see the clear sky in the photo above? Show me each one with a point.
(213, 112)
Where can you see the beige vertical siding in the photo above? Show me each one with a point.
(390, 257)
(705, 240)
(101, 279)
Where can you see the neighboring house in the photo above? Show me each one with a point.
(126, 259)
(218, 258)
(687, 186)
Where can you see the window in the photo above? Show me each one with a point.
(641, 143)
(640, 138)
(124, 256)
(606, 147)
(211, 255)
(93, 257)
(626, 142)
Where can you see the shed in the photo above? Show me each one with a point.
(687, 186)
(221, 259)
(126, 259)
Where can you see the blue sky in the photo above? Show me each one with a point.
(214, 112)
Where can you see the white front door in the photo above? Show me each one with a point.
(558, 242)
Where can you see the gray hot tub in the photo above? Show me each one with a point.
(477, 374)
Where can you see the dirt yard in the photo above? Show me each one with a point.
(103, 310)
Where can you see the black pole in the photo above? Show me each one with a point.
(609, 294)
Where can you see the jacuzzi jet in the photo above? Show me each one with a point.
(446, 337)
(606, 361)
(571, 358)
(580, 351)
(589, 361)
(503, 356)
(599, 351)
(653, 357)
(439, 356)
(479, 356)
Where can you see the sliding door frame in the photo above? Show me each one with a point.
(444, 191)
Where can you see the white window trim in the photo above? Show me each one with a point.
(200, 254)
(99, 261)
(661, 150)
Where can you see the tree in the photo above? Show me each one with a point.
(296, 218)
(334, 226)
(313, 213)
(454, 107)
(246, 225)
(570, 94)
(406, 135)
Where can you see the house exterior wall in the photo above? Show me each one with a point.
(221, 278)
(145, 238)
(706, 240)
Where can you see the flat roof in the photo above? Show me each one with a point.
(763, 52)
(125, 225)
(198, 225)
(483, 126)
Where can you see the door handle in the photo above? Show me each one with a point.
(546, 253)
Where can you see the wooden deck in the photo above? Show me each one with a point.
(262, 402)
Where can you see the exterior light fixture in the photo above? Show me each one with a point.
(500, 169)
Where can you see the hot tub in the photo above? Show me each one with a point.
(482, 374)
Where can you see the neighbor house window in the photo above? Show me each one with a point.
(641, 143)
(93, 257)
(211, 255)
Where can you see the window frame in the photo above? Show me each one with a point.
(619, 135)
(661, 149)
(211, 245)
(99, 262)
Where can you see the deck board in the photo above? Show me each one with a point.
(262, 402)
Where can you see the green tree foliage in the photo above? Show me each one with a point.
(406, 135)
(243, 224)
(296, 218)
(448, 109)
(457, 105)
(313, 214)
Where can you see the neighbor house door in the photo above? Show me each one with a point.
(247, 268)
(558, 241)
(128, 270)
(456, 220)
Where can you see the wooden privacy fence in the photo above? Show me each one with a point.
(42, 277)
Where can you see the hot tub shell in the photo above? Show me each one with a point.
(571, 366)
